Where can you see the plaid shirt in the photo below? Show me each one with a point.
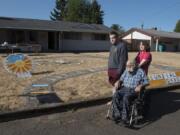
(134, 79)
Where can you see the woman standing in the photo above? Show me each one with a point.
(144, 57)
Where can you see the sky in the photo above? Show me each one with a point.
(162, 14)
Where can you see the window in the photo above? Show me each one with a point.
(33, 36)
(99, 37)
(20, 36)
(72, 35)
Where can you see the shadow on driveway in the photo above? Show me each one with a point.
(164, 103)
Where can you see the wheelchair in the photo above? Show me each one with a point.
(138, 108)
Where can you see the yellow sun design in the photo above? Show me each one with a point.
(20, 66)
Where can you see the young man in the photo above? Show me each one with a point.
(132, 81)
(118, 57)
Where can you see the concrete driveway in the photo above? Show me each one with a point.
(164, 119)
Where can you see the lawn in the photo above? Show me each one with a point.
(78, 88)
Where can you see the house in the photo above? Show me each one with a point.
(59, 36)
(158, 40)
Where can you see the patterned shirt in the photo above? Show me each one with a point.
(133, 80)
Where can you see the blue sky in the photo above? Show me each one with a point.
(127, 13)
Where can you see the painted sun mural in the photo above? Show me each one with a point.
(18, 64)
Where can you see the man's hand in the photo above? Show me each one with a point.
(138, 88)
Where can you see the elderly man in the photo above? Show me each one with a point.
(132, 81)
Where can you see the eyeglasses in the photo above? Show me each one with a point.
(130, 65)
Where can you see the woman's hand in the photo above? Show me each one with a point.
(117, 85)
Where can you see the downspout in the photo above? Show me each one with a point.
(157, 42)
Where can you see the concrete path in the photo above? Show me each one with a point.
(32, 101)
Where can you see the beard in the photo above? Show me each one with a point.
(132, 70)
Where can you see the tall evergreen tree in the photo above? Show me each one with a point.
(86, 12)
(74, 10)
(177, 28)
(118, 28)
(78, 11)
(59, 12)
(96, 13)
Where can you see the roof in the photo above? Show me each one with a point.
(47, 25)
(155, 33)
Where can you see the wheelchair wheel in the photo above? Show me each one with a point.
(133, 115)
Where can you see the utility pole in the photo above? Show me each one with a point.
(142, 25)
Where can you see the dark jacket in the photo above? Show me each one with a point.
(118, 57)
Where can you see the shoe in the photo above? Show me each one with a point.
(116, 120)
(125, 122)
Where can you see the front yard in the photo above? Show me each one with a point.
(78, 88)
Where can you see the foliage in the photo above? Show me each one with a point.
(177, 28)
(78, 11)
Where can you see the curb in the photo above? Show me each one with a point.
(58, 108)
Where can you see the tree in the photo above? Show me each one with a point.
(96, 13)
(74, 10)
(118, 28)
(177, 28)
(59, 12)
(86, 10)
(78, 11)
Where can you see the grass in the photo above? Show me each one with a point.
(82, 87)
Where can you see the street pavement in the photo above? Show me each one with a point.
(163, 119)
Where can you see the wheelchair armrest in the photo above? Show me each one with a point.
(142, 91)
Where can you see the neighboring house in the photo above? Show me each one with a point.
(158, 40)
(59, 36)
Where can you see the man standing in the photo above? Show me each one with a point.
(117, 58)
